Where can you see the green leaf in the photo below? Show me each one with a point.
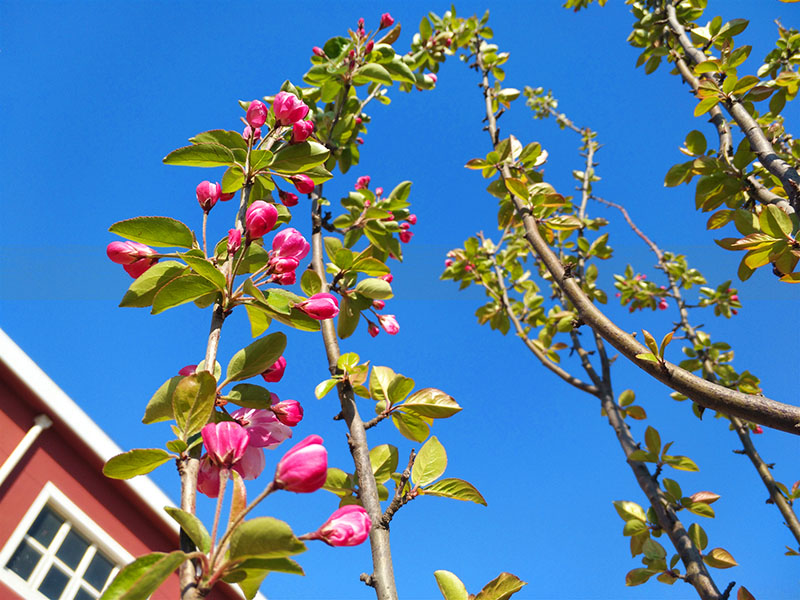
(775, 222)
(457, 489)
(201, 155)
(638, 576)
(745, 84)
(229, 139)
(299, 158)
(257, 357)
(696, 143)
(374, 288)
(144, 288)
(260, 159)
(324, 387)
(278, 565)
(349, 317)
(264, 537)
(516, 187)
(141, 578)
(399, 388)
(647, 356)
(372, 72)
(206, 270)
(650, 341)
(653, 440)
(384, 462)
(259, 320)
(702, 509)
(138, 461)
(629, 510)
(413, 427)
(450, 586)
(379, 381)
(627, 397)
(370, 266)
(250, 396)
(193, 402)
(705, 105)
(682, 463)
(181, 290)
(430, 402)
(399, 71)
(430, 463)
(501, 587)
(719, 558)
(160, 406)
(193, 527)
(161, 232)
(310, 283)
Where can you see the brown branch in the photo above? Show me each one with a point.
(759, 143)
(400, 498)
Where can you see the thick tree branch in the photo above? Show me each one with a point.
(758, 141)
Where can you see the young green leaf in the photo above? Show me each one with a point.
(141, 578)
(264, 537)
(257, 357)
(430, 463)
(161, 232)
(450, 586)
(138, 461)
(457, 489)
(193, 527)
(501, 587)
(193, 402)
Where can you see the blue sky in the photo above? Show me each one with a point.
(96, 93)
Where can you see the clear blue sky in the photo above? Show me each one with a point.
(94, 95)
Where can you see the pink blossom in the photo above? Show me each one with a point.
(234, 240)
(225, 442)
(373, 329)
(301, 130)
(320, 306)
(262, 426)
(287, 198)
(126, 253)
(249, 131)
(252, 463)
(303, 183)
(275, 372)
(386, 21)
(389, 324)
(379, 191)
(362, 182)
(405, 226)
(448, 262)
(735, 298)
(662, 305)
(359, 141)
(388, 278)
(260, 219)
(256, 113)
(368, 48)
(208, 478)
(289, 412)
(758, 429)
(433, 76)
(288, 278)
(318, 51)
(405, 236)
(347, 526)
(208, 194)
(290, 243)
(304, 468)
(288, 108)
(359, 120)
(412, 219)
(188, 370)
(378, 304)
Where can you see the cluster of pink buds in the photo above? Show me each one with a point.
(134, 257)
(362, 182)
(288, 248)
(405, 228)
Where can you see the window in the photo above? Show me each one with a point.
(58, 553)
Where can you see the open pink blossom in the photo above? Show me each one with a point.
(225, 442)
(348, 526)
(289, 412)
(208, 478)
(252, 463)
(262, 426)
(304, 468)
(389, 324)
(256, 114)
(288, 108)
(260, 218)
(275, 372)
(320, 306)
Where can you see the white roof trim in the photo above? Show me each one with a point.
(70, 415)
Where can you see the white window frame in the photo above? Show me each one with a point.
(51, 496)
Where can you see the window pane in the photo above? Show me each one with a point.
(98, 571)
(54, 583)
(72, 549)
(84, 595)
(24, 560)
(45, 526)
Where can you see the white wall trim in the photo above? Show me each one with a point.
(40, 423)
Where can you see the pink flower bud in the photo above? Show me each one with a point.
(361, 23)
(758, 429)
(359, 141)
(287, 198)
(412, 219)
(389, 324)
(126, 253)
(251, 464)
(234, 240)
(734, 298)
(288, 278)
(275, 373)
(662, 305)
(318, 51)
(288, 108)
(448, 262)
(290, 243)
(348, 526)
(388, 278)
(249, 131)
(188, 370)
(379, 192)
(256, 114)
(405, 226)
(262, 427)
(358, 120)
(389, 218)
(225, 442)
(469, 267)
(368, 48)
(301, 130)
(373, 329)
(289, 412)
(260, 219)
(225, 197)
(320, 306)
(405, 236)
(208, 478)
(433, 76)
(378, 304)
(303, 183)
(138, 268)
(734, 311)
(362, 182)
(304, 468)
(208, 194)
(386, 21)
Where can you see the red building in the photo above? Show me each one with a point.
(66, 529)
